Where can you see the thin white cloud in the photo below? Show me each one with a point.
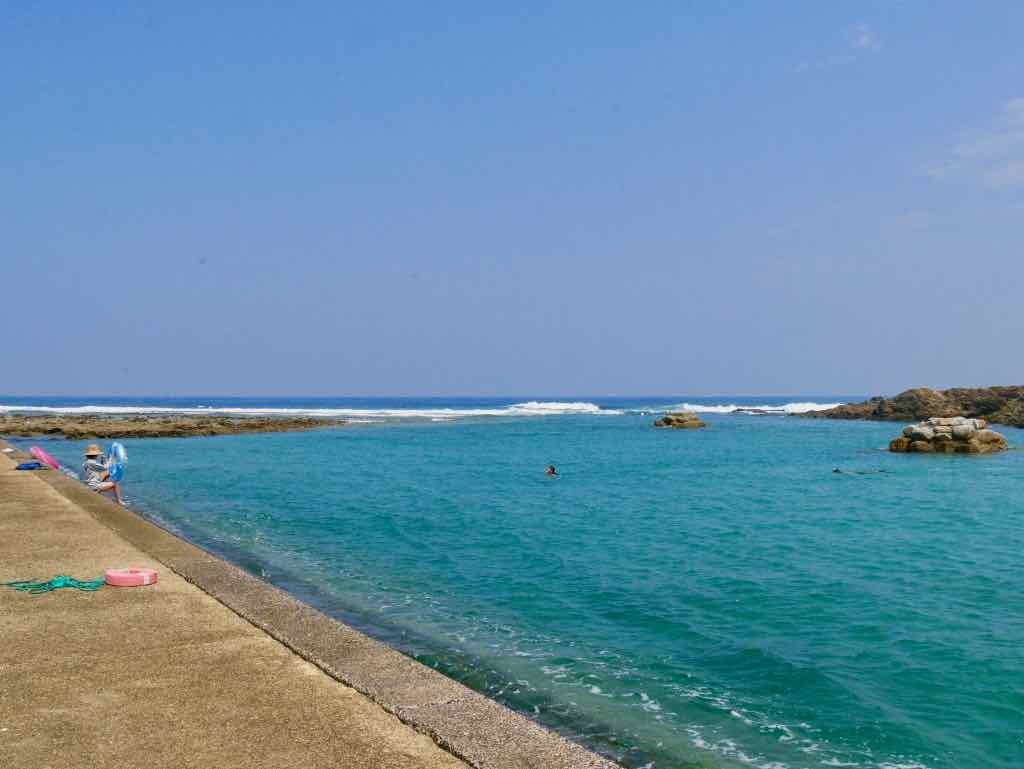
(860, 40)
(993, 157)
(861, 36)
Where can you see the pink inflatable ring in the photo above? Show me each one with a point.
(131, 577)
(43, 457)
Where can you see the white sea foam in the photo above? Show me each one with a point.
(648, 704)
(801, 407)
(527, 409)
(741, 717)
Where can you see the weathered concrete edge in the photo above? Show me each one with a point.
(480, 731)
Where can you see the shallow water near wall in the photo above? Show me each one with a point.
(675, 598)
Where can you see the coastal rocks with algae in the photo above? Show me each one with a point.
(949, 435)
(681, 420)
(78, 427)
(1003, 405)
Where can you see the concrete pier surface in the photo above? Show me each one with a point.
(210, 667)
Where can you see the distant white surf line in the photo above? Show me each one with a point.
(529, 408)
(774, 408)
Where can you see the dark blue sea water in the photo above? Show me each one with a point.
(707, 598)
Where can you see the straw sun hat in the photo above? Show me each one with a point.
(93, 450)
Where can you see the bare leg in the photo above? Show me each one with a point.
(114, 487)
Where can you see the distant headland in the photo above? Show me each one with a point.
(1002, 405)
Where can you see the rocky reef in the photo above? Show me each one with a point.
(1002, 405)
(77, 427)
(949, 435)
(680, 419)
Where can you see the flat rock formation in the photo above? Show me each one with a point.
(77, 427)
(949, 435)
(680, 419)
(1003, 405)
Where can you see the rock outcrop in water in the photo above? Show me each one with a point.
(680, 419)
(1003, 405)
(77, 427)
(949, 435)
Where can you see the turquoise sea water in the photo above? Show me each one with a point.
(707, 598)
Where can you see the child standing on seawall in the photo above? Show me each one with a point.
(95, 473)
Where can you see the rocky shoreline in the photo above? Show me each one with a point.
(1000, 405)
(83, 426)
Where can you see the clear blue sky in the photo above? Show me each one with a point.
(471, 198)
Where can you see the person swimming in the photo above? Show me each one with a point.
(551, 471)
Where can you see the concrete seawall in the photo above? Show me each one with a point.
(212, 666)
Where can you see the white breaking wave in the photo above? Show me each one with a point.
(529, 408)
(773, 408)
(559, 407)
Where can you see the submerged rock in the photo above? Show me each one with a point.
(680, 419)
(949, 435)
